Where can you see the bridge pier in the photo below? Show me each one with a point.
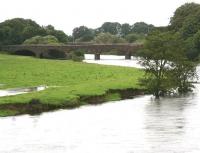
(97, 56)
(37, 55)
(128, 56)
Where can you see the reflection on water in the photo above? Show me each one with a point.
(139, 125)
(173, 124)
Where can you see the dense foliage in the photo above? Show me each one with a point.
(133, 37)
(186, 21)
(42, 40)
(60, 35)
(82, 34)
(17, 30)
(141, 29)
(113, 28)
(107, 38)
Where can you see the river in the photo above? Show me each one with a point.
(139, 125)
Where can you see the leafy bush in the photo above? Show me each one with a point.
(107, 38)
(42, 40)
(77, 55)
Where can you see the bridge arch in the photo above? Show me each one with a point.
(56, 54)
(24, 52)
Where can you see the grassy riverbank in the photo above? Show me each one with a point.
(68, 82)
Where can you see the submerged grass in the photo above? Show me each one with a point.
(113, 97)
(4, 113)
(67, 80)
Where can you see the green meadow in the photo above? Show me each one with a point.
(67, 81)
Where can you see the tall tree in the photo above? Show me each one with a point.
(60, 35)
(15, 31)
(182, 13)
(113, 28)
(166, 64)
(142, 28)
(186, 21)
(125, 29)
(83, 34)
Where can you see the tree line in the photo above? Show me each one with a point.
(19, 30)
(113, 30)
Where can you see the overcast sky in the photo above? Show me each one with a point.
(67, 14)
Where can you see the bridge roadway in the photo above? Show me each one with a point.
(63, 51)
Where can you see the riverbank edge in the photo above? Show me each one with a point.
(36, 107)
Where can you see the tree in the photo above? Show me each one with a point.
(186, 21)
(142, 28)
(30, 31)
(192, 45)
(156, 57)
(107, 38)
(83, 34)
(166, 64)
(183, 71)
(191, 25)
(113, 28)
(182, 13)
(5, 35)
(60, 35)
(15, 31)
(125, 29)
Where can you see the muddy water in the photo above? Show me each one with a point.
(139, 125)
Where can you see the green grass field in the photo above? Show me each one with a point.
(67, 80)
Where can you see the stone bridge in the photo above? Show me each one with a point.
(63, 51)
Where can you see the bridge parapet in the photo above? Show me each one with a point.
(97, 49)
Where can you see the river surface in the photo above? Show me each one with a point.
(113, 60)
(139, 125)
